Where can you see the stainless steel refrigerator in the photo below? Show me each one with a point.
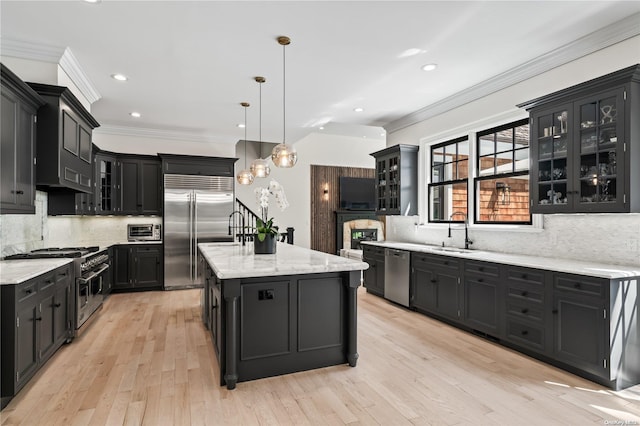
(196, 210)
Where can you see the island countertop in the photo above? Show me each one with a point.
(233, 260)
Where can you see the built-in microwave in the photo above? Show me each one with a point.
(143, 232)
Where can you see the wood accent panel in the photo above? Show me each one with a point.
(323, 206)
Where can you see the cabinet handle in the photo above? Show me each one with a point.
(525, 310)
(555, 311)
(19, 192)
(433, 280)
(480, 280)
(525, 294)
(28, 291)
(525, 332)
(57, 305)
(38, 318)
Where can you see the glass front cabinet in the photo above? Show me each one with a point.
(585, 146)
(396, 180)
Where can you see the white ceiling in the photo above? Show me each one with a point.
(191, 63)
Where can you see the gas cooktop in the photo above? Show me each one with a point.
(55, 252)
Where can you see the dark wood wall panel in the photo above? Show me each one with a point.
(323, 206)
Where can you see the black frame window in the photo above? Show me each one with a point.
(449, 172)
(502, 174)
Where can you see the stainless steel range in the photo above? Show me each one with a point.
(91, 265)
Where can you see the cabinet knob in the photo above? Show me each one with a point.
(525, 332)
(480, 280)
(28, 291)
(524, 294)
(525, 310)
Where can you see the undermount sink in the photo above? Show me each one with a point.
(452, 250)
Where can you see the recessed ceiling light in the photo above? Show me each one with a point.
(429, 67)
(411, 52)
(135, 114)
(321, 127)
(119, 77)
(358, 109)
(241, 125)
(92, 1)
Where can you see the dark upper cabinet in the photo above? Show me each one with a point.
(107, 184)
(585, 146)
(64, 141)
(197, 165)
(140, 185)
(18, 146)
(397, 180)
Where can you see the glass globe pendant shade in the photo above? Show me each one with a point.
(260, 168)
(284, 156)
(245, 177)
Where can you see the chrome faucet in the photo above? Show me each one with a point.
(242, 224)
(467, 241)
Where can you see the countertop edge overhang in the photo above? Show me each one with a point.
(232, 260)
(570, 266)
(18, 271)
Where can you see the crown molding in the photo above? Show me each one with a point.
(608, 36)
(154, 134)
(53, 54)
(71, 66)
(29, 50)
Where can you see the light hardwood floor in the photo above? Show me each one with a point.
(148, 360)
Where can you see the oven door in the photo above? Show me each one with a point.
(90, 292)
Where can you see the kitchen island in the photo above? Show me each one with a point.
(281, 313)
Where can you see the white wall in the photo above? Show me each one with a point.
(151, 146)
(609, 238)
(314, 149)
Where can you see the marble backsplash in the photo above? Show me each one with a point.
(602, 238)
(22, 233)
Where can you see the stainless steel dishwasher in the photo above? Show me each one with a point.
(396, 276)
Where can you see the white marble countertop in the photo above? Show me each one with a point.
(232, 260)
(21, 270)
(539, 262)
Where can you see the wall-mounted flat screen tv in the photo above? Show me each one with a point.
(357, 193)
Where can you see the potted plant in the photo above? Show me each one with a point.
(266, 236)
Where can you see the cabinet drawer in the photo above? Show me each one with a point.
(524, 309)
(580, 285)
(26, 291)
(46, 281)
(528, 335)
(425, 261)
(63, 274)
(526, 293)
(372, 251)
(532, 277)
(481, 268)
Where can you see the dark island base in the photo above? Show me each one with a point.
(268, 326)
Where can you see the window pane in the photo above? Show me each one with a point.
(504, 162)
(450, 152)
(486, 165)
(463, 169)
(486, 145)
(436, 175)
(463, 150)
(503, 200)
(522, 159)
(446, 199)
(522, 136)
(504, 140)
(437, 158)
(448, 172)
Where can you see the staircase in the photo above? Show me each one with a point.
(250, 223)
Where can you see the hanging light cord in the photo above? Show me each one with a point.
(284, 101)
(245, 137)
(260, 120)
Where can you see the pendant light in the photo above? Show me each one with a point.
(245, 177)
(260, 167)
(284, 155)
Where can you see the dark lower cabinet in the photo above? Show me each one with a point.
(580, 324)
(584, 324)
(138, 266)
(374, 275)
(436, 285)
(36, 320)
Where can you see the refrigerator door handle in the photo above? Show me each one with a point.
(195, 234)
(190, 236)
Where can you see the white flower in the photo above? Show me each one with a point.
(262, 197)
